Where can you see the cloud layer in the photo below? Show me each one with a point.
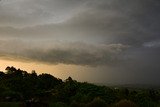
(122, 34)
(31, 12)
(111, 21)
(66, 53)
(128, 23)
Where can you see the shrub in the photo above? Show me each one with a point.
(58, 104)
(125, 103)
(76, 104)
(97, 102)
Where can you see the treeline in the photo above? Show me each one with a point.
(45, 90)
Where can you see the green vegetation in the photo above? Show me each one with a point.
(21, 89)
(10, 104)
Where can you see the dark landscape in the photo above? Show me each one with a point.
(21, 89)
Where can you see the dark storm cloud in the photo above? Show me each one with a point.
(135, 23)
(127, 22)
(71, 53)
(110, 26)
(31, 12)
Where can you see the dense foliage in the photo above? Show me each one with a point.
(31, 90)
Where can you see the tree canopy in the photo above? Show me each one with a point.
(17, 85)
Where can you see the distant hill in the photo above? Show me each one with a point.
(143, 86)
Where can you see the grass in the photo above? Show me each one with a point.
(9, 104)
(58, 104)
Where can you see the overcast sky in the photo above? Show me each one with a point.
(114, 41)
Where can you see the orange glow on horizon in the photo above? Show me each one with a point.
(60, 71)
